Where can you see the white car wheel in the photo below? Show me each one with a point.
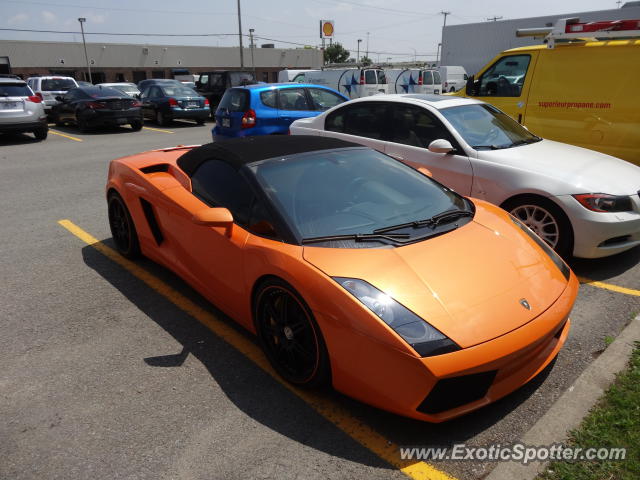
(540, 221)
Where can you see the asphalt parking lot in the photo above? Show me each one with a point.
(119, 370)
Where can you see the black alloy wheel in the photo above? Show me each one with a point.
(290, 336)
(123, 230)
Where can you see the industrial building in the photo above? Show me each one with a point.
(473, 45)
(117, 62)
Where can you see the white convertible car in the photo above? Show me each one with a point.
(579, 201)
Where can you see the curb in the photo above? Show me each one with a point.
(575, 403)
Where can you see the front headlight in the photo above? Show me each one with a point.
(423, 338)
(563, 267)
(601, 202)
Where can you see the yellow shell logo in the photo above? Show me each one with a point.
(327, 29)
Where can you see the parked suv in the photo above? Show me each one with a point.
(212, 85)
(49, 87)
(269, 109)
(20, 109)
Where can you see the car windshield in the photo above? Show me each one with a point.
(179, 91)
(350, 191)
(485, 127)
(14, 90)
(57, 84)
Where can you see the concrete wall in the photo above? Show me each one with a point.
(473, 45)
(112, 58)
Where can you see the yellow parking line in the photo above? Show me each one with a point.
(158, 130)
(608, 286)
(333, 412)
(65, 136)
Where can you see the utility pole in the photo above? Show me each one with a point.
(438, 53)
(494, 19)
(619, 2)
(86, 57)
(367, 55)
(445, 17)
(358, 56)
(251, 46)
(240, 35)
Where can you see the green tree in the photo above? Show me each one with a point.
(366, 60)
(336, 53)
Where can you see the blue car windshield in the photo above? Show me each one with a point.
(350, 191)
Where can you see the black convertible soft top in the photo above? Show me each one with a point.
(240, 151)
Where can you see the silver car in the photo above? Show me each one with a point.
(50, 87)
(21, 110)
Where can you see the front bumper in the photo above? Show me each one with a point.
(599, 234)
(406, 384)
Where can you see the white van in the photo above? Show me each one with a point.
(351, 82)
(453, 78)
(286, 75)
(413, 80)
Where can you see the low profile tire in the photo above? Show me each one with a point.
(136, 125)
(122, 227)
(161, 120)
(41, 133)
(546, 219)
(290, 336)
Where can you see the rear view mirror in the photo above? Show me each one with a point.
(471, 86)
(213, 217)
(441, 146)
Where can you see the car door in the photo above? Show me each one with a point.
(413, 129)
(210, 258)
(365, 123)
(293, 104)
(66, 108)
(146, 103)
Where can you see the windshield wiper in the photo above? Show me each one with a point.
(432, 221)
(490, 147)
(526, 142)
(358, 237)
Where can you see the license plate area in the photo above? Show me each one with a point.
(226, 122)
(121, 121)
(8, 105)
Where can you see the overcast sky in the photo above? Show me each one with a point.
(398, 30)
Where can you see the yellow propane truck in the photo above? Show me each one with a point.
(582, 87)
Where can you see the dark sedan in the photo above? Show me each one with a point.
(164, 103)
(89, 107)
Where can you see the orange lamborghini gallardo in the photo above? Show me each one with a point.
(352, 268)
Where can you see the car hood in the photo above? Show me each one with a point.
(570, 169)
(468, 283)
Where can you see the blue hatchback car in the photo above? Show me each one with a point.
(269, 108)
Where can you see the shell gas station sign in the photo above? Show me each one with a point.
(326, 28)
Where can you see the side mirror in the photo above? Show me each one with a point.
(425, 171)
(59, 98)
(213, 217)
(137, 95)
(441, 146)
(471, 86)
